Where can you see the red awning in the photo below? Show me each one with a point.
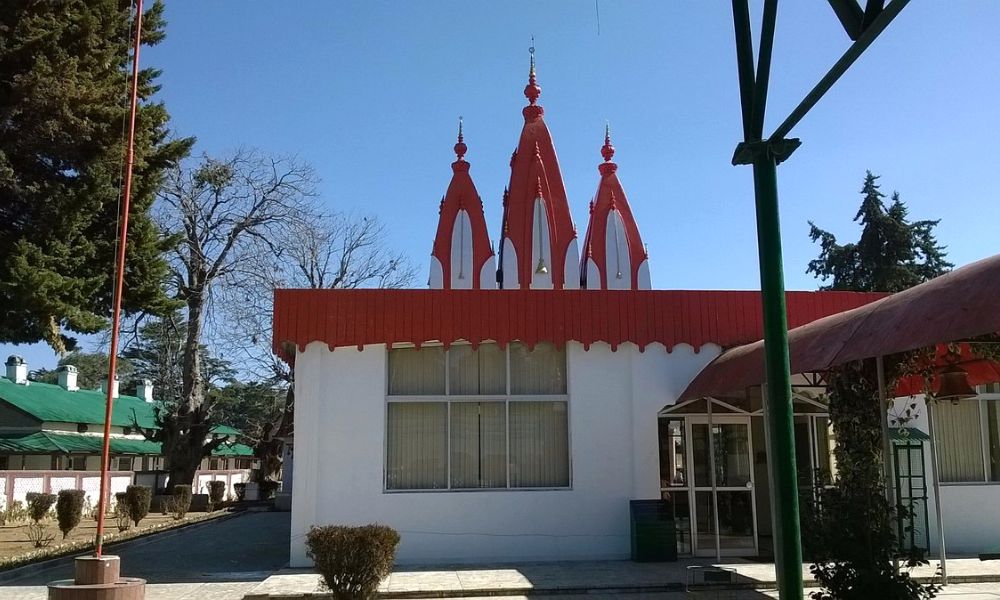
(958, 305)
(340, 318)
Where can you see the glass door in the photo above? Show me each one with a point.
(723, 507)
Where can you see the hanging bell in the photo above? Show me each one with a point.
(954, 385)
(541, 269)
(619, 276)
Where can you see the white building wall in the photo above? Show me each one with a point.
(970, 511)
(614, 399)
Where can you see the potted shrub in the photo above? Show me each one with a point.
(352, 560)
(216, 494)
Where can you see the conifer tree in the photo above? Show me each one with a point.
(892, 253)
(64, 70)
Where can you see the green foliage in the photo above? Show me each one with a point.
(63, 97)
(891, 255)
(852, 534)
(352, 560)
(137, 500)
(39, 505)
(14, 513)
(216, 493)
(69, 509)
(241, 491)
(181, 501)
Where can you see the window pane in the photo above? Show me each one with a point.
(417, 452)
(414, 372)
(539, 445)
(993, 427)
(957, 427)
(537, 372)
(480, 371)
(673, 453)
(478, 445)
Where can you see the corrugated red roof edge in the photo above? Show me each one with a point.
(341, 318)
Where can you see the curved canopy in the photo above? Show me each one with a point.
(962, 304)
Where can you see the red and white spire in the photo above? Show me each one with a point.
(614, 255)
(462, 257)
(538, 246)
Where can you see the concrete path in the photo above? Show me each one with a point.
(601, 578)
(217, 560)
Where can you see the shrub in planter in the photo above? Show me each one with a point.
(241, 491)
(137, 500)
(181, 500)
(69, 509)
(216, 493)
(39, 505)
(352, 560)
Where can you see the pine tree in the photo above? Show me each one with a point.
(891, 255)
(64, 69)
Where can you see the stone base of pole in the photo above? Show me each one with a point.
(98, 579)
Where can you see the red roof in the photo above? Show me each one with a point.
(956, 306)
(342, 318)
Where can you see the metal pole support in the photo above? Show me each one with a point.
(781, 442)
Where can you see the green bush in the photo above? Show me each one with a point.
(14, 513)
(353, 560)
(241, 491)
(268, 488)
(69, 509)
(137, 500)
(216, 493)
(39, 505)
(181, 500)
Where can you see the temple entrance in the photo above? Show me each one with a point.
(714, 471)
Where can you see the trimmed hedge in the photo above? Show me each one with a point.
(181, 500)
(137, 500)
(39, 505)
(216, 494)
(352, 560)
(69, 509)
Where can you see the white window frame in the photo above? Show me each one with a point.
(984, 438)
(449, 399)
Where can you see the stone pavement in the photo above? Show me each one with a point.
(617, 578)
(215, 561)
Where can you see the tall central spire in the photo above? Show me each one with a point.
(538, 248)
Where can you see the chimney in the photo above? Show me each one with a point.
(144, 390)
(114, 388)
(17, 369)
(67, 377)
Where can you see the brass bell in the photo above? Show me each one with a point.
(541, 269)
(954, 385)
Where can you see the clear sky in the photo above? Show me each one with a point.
(370, 94)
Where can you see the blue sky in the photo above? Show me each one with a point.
(370, 93)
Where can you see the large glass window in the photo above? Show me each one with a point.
(968, 434)
(416, 371)
(517, 438)
(417, 452)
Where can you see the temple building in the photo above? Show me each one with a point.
(511, 411)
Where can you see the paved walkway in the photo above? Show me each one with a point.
(616, 578)
(215, 561)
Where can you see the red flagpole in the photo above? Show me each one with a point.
(102, 504)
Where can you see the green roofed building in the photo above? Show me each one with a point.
(51, 437)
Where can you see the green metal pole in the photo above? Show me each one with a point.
(781, 442)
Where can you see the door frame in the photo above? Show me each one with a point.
(710, 420)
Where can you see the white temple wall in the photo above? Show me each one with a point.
(614, 398)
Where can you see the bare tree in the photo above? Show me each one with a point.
(338, 251)
(220, 213)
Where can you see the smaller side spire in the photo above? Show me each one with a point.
(460, 147)
(608, 152)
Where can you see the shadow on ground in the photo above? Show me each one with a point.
(244, 548)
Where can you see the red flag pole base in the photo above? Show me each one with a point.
(98, 579)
